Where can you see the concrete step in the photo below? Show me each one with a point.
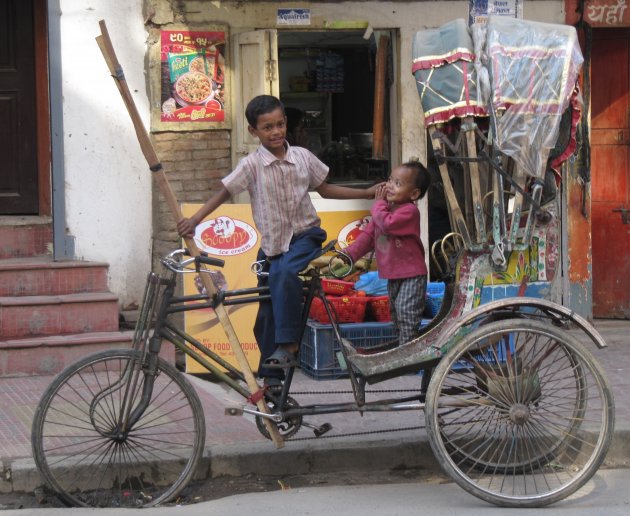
(32, 316)
(50, 355)
(25, 236)
(41, 276)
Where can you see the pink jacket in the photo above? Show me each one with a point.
(395, 236)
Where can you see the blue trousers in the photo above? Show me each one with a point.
(279, 320)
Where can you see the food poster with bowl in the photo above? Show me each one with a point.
(230, 234)
(192, 76)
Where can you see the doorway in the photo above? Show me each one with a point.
(25, 168)
(18, 129)
(328, 79)
(610, 176)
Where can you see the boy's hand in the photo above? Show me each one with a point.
(186, 227)
(371, 192)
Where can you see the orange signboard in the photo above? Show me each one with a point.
(230, 233)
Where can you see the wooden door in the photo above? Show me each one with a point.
(255, 73)
(18, 129)
(610, 173)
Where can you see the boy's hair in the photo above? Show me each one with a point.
(261, 105)
(422, 177)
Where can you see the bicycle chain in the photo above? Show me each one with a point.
(350, 392)
(350, 434)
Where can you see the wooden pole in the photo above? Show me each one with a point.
(105, 44)
(380, 90)
(457, 218)
(468, 127)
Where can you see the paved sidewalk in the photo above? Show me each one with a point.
(235, 447)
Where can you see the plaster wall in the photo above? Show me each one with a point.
(108, 184)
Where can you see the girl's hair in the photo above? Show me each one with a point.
(422, 177)
(261, 105)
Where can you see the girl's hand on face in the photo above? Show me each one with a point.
(372, 191)
(381, 191)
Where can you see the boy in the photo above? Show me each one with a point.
(394, 234)
(278, 178)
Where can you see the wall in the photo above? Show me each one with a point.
(108, 184)
(194, 164)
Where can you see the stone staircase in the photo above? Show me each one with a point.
(51, 313)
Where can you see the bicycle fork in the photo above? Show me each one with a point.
(133, 376)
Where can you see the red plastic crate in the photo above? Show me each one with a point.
(337, 287)
(346, 308)
(378, 307)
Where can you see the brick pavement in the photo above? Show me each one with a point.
(19, 397)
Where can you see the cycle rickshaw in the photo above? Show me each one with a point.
(517, 410)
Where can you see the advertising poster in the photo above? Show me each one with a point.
(230, 233)
(192, 76)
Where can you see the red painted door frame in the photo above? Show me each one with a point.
(610, 166)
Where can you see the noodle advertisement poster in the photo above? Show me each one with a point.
(192, 76)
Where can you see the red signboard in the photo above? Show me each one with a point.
(600, 13)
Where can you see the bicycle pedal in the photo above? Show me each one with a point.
(233, 411)
(318, 430)
(326, 427)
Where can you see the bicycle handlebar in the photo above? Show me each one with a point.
(344, 257)
(208, 260)
(174, 262)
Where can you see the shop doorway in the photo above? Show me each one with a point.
(328, 79)
(610, 176)
(338, 105)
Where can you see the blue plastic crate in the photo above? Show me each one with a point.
(432, 306)
(434, 298)
(318, 351)
(436, 289)
(503, 349)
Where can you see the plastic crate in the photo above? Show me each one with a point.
(504, 350)
(336, 287)
(318, 351)
(432, 305)
(345, 308)
(436, 289)
(434, 298)
(378, 308)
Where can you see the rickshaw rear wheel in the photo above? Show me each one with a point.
(519, 413)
